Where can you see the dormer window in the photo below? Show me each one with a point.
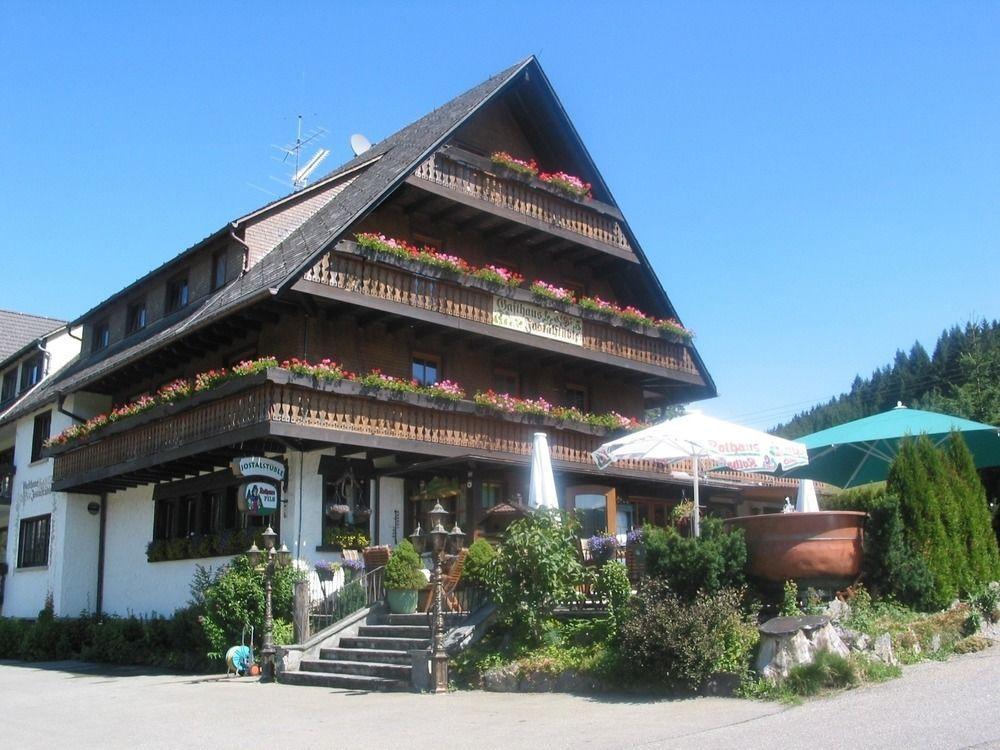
(102, 336)
(9, 389)
(177, 293)
(219, 269)
(32, 371)
(136, 319)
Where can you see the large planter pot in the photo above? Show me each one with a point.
(401, 601)
(822, 549)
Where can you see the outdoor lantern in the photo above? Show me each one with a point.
(438, 515)
(417, 539)
(455, 538)
(439, 537)
(254, 554)
(269, 538)
(284, 555)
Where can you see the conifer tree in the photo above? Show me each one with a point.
(983, 557)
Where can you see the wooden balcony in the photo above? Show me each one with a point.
(170, 441)
(475, 181)
(356, 276)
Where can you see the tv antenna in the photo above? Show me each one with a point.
(300, 175)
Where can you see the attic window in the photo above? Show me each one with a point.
(136, 317)
(177, 293)
(219, 263)
(102, 336)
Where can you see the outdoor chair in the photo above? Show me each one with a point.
(376, 557)
(449, 582)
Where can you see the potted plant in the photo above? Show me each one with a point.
(403, 579)
(603, 548)
(635, 554)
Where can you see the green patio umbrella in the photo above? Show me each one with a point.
(860, 452)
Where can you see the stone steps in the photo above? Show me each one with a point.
(368, 668)
(345, 681)
(395, 631)
(381, 643)
(374, 656)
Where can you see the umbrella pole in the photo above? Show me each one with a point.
(695, 522)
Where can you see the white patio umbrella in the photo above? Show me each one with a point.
(542, 492)
(805, 500)
(705, 440)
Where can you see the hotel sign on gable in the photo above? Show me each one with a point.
(537, 320)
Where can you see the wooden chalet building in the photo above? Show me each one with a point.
(292, 281)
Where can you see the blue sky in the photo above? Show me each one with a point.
(817, 184)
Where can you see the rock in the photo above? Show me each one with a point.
(787, 642)
(827, 639)
(501, 679)
(854, 639)
(883, 650)
(838, 610)
(935, 642)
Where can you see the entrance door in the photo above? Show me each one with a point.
(595, 506)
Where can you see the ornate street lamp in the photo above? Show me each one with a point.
(275, 558)
(443, 541)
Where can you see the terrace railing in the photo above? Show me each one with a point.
(402, 284)
(356, 594)
(469, 176)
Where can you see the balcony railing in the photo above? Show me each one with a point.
(338, 412)
(411, 287)
(468, 176)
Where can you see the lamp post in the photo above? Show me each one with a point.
(442, 541)
(275, 558)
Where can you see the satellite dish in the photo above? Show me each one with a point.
(359, 144)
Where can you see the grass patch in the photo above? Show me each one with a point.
(972, 643)
(829, 671)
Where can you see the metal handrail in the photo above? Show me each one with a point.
(354, 595)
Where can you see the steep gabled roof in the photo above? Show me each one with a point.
(389, 162)
(383, 168)
(17, 330)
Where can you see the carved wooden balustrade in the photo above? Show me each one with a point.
(383, 278)
(341, 413)
(472, 176)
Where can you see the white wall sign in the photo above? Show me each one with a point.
(537, 320)
(257, 466)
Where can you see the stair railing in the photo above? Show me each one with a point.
(357, 594)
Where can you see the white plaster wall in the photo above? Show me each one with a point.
(302, 515)
(390, 501)
(79, 539)
(132, 584)
(61, 348)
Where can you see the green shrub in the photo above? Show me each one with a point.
(827, 671)
(790, 600)
(615, 590)
(680, 643)
(235, 599)
(403, 571)
(890, 568)
(536, 569)
(477, 562)
(712, 562)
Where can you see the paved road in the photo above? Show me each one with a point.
(935, 705)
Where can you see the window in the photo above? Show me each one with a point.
(210, 513)
(491, 494)
(425, 368)
(506, 381)
(177, 293)
(6, 476)
(9, 389)
(102, 336)
(219, 261)
(575, 397)
(43, 425)
(136, 318)
(33, 542)
(32, 371)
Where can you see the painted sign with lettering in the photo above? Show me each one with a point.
(258, 498)
(537, 320)
(258, 466)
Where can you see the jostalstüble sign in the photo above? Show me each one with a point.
(537, 320)
(258, 466)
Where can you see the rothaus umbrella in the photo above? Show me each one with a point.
(861, 451)
(542, 491)
(707, 441)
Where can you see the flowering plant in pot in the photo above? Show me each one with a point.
(567, 183)
(524, 168)
(603, 548)
(403, 579)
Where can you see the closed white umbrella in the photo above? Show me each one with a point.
(542, 492)
(805, 500)
(705, 439)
